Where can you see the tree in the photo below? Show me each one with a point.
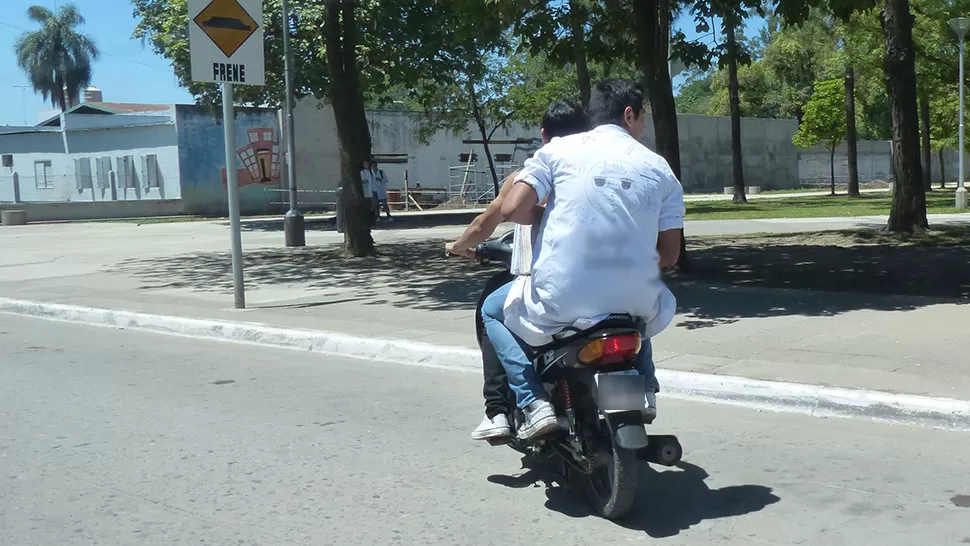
(652, 20)
(468, 82)
(353, 133)
(57, 58)
(348, 53)
(824, 120)
(945, 123)
(851, 135)
(908, 212)
(730, 26)
(695, 95)
(729, 54)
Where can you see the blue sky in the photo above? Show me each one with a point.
(126, 72)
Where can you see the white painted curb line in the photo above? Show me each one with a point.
(821, 401)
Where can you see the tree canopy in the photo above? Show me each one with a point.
(57, 58)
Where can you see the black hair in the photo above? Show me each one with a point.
(564, 117)
(610, 98)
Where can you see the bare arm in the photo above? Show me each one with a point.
(668, 247)
(519, 205)
(484, 224)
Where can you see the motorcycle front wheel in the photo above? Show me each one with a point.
(611, 487)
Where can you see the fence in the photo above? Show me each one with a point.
(326, 200)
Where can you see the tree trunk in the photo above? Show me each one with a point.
(353, 134)
(578, 18)
(653, 37)
(60, 96)
(832, 168)
(480, 122)
(942, 171)
(908, 212)
(924, 113)
(735, 100)
(851, 135)
(653, 31)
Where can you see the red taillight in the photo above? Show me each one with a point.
(610, 350)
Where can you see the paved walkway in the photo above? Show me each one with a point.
(896, 344)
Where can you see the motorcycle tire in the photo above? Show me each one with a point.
(616, 500)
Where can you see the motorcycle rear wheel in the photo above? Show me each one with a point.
(611, 487)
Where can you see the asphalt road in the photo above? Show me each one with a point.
(117, 438)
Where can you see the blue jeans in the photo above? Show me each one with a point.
(522, 375)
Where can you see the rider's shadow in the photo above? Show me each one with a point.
(672, 501)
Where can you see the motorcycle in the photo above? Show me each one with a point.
(598, 395)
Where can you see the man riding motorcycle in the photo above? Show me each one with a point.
(562, 117)
(613, 219)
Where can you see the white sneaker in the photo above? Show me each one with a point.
(540, 418)
(650, 407)
(495, 427)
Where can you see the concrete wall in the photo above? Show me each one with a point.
(318, 159)
(56, 212)
(875, 163)
(100, 146)
(202, 160)
(770, 158)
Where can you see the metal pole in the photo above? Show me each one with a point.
(294, 232)
(232, 184)
(961, 195)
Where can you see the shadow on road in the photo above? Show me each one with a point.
(668, 501)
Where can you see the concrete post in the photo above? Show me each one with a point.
(16, 187)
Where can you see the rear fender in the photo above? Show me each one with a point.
(627, 429)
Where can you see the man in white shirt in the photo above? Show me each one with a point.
(367, 183)
(613, 219)
(379, 190)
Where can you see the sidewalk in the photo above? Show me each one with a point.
(911, 345)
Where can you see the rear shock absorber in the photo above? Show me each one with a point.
(567, 403)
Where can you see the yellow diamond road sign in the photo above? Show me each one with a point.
(227, 24)
(226, 41)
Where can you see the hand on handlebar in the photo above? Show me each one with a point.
(451, 250)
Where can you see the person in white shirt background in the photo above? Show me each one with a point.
(367, 181)
(379, 190)
(613, 219)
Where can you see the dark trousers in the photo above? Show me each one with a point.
(498, 396)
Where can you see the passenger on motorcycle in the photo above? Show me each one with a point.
(613, 219)
(562, 118)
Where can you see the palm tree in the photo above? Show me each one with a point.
(57, 59)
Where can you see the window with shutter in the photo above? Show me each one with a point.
(151, 171)
(82, 174)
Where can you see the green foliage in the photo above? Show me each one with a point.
(57, 56)
(824, 119)
(761, 94)
(695, 95)
(399, 41)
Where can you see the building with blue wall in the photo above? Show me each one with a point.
(100, 160)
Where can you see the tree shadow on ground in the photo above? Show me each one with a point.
(413, 275)
(727, 281)
(668, 502)
(827, 274)
(456, 217)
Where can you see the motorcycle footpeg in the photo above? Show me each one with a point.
(502, 441)
(664, 450)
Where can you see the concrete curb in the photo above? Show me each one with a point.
(816, 400)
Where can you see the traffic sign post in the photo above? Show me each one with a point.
(226, 47)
